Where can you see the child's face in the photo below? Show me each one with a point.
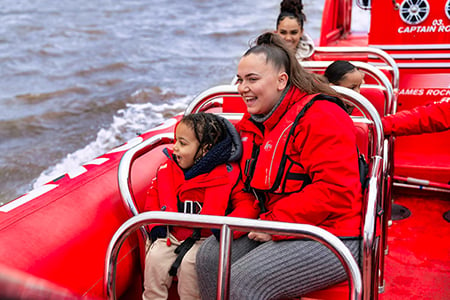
(186, 146)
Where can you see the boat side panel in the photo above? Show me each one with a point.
(62, 235)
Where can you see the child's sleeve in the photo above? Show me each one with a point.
(152, 199)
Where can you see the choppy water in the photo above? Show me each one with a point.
(81, 77)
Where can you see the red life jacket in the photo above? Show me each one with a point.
(277, 171)
(207, 194)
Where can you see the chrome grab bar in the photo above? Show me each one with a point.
(227, 224)
(384, 56)
(374, 72)
(124, 172)
(369, 112)
(221, 89)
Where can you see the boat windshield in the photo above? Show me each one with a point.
(360, 19)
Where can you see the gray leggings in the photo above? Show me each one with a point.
(272, 270)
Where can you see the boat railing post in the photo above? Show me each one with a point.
(227, 224)
(223, 276)
(375, 194)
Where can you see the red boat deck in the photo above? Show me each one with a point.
(418, 262)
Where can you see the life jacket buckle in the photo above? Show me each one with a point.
(192, 207)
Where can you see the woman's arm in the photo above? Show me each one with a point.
(434, 117)
(327, 145)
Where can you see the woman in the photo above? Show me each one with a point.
(290, 26)
(313, 178)
(344, 73)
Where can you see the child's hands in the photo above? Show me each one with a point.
(158, 232)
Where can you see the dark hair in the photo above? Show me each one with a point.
(208, 128)
(291, 9)
(337, 70)
(278, 53)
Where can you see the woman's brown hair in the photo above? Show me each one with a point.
(279, 54)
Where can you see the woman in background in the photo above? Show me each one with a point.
(290, 27)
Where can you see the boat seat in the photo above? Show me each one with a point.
(143, 171)
(377, 95)
(233, 104)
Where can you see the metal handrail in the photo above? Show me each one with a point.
(369, 69)
(226, 224)
(369, 112)
(220, 89)
(384, 56)
(374, 190)
(370, 245)
(124, 171)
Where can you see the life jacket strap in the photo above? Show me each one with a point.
(182, 249)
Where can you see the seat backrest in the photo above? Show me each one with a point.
(377, 95)
(233, 104)
(363, 140)
(143, 171)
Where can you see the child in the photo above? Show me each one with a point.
(198, 178)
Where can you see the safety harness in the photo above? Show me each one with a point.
(250, 164)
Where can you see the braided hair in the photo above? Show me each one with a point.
(292, 9)
(208, 128)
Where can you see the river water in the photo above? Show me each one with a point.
(81, 77)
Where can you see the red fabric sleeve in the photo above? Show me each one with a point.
(434, 117)
(152, 199)
(244, 206)
(326, 140)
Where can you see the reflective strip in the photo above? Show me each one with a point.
(28, 197)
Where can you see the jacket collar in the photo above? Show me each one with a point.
(289, 98)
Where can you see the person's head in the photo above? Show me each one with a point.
(290, 22)
(267, 68)
(195, 135)
(344, 73)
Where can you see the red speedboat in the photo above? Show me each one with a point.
(78, 236)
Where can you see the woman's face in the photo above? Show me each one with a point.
(186, 146)
(259, 83)
(289, 29)
(352, 80)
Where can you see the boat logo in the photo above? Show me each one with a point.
(414, 11)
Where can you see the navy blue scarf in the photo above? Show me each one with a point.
(217, 155)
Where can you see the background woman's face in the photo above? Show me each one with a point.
(352, 80)
(289, 29)
(259, 83)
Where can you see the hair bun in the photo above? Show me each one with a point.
(291, 6)
(265, 38)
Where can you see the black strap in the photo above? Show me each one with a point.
(182, 249)
(300, 115)
(363, 170)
